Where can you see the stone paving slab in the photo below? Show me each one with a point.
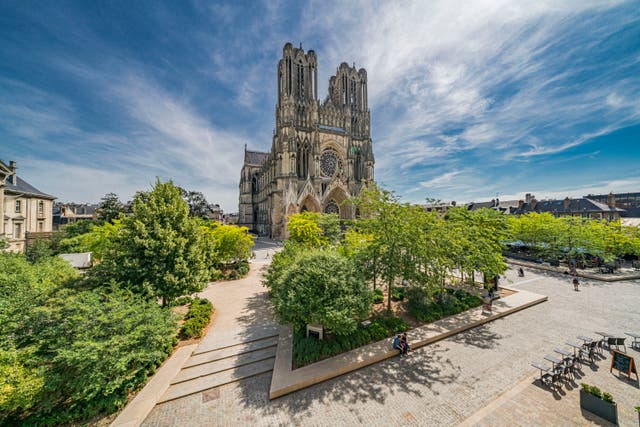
(285, 380)
(187, 388)
(528, 403)
(616, 277)
(220, 365)
(441, 384)
(137, 410)
(217, 354)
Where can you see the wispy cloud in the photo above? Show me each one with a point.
(511, 79)
(467, 98)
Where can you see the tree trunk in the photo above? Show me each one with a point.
(389, 296)
(375, 271)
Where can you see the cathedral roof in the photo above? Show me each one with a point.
(255, 157)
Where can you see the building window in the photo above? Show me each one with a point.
(332, 208)
(17, 231)
(41, 208)
(18, 206)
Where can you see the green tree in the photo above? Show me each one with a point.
(320, 286)
(87, 351)
(383, 217)
(98, 239)
(159, 250)
(198, 205)
(225, 244)
(330, 226)
(304, 228)
(110, 207)
(39, 249)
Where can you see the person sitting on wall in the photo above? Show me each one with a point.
(397, 344)
(404, 342)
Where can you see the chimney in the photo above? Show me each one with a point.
(527, 198)
(611, 200)
(13, 178)
(567, 202)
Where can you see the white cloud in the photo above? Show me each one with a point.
(439, 65)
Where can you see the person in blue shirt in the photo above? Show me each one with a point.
(397, 344)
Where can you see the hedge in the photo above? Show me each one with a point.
(428, 307)
(309, 350)
(197, 318)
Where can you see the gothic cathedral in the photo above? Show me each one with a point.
(321, 153)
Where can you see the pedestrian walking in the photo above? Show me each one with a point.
(576, 283)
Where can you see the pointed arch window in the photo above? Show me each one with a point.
(304, 153)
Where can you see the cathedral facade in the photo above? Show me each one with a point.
(321, 154)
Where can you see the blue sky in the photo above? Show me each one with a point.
(468, 99)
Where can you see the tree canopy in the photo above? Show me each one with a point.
(574, 237)
(321, 286)
(110, 207)
(158, 252)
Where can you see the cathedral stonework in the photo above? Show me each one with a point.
(321, 154)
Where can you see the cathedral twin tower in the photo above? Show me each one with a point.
(321, 153)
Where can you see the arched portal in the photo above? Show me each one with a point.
(310, 204)
(338, 198)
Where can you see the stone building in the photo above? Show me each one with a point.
(27, 212)
(321, 153)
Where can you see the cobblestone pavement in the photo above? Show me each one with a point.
(444, 383)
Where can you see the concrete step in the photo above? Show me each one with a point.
(224, 364)
(222, 353)
(199, 384)
(216, 341)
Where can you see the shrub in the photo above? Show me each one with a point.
(398, 293)
(378, 296)
(81, 354)
(394, 324)
(197, 318)
(309, 350)
(182, 300)
(597, 393)
(427, 307)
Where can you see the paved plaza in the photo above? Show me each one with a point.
(480, 377)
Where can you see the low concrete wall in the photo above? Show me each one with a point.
(562, 270)
(285, 380)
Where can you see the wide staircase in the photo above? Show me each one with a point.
(225, 358)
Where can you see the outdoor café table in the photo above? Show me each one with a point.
(605, 334)
(585, 339)
(636, 337)
(575, 346)
(543, 368)
(554, 360)
(562, 352)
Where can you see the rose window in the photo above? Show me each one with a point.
(332, 208)
(329, 163)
